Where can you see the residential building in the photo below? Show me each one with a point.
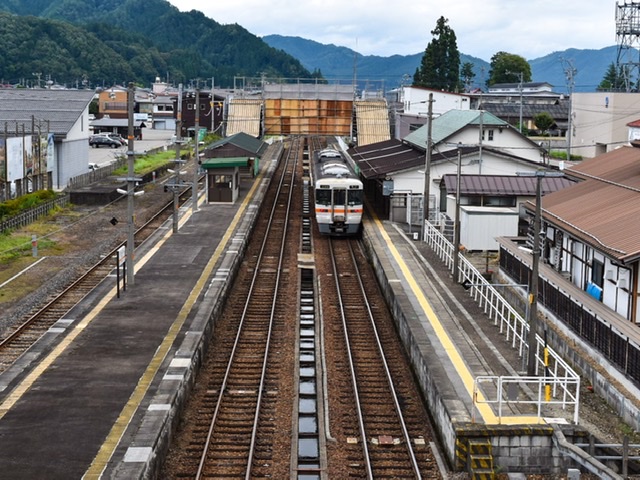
(589, 272)
(45, 141)
(478, 142)
(411, 107)
(516, 103)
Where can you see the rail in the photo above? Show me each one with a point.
(564, 381)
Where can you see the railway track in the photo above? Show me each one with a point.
(393, 442)
(235, 433)
(18, 340)
(274, 398)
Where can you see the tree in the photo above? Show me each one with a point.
(543, 121)
(440, 64)
(613, 79)
(508, 68)
(467, 75)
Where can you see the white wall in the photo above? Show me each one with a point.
(600, 121)
(480, 226)
(415, 101)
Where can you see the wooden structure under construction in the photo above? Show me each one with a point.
(309, 109)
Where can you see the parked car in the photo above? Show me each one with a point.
(115, 136)
(97, 141)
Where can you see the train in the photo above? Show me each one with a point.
(338, 194)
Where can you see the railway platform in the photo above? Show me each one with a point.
(99, 395)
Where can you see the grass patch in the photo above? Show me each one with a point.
(25, 202)
(149, 163)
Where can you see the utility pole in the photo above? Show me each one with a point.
(427, 168)
(520, 88)
(570, 72)
(196, 165)
(456, 226)
(532, 311)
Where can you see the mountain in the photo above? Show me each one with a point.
(339, 62)
(187, 44)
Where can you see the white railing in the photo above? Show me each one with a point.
(517, 390)
(564, 381)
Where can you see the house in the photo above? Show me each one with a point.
(489, 206)
(210, 109)
(589, 271)
(46, 138)
(225, 161)
(412, 107)
(394, 171)
(518, 103)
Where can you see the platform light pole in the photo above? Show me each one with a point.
(131, 183)
(196, 152)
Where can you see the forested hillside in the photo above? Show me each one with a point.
(130, 40)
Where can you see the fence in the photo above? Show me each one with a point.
(30, 216)
(618, 348)
(565, 382)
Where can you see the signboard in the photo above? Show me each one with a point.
(387, 187)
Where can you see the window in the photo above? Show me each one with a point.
(355, 197)
(597, 272)
(323, 197)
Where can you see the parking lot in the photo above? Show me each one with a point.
(150, 139)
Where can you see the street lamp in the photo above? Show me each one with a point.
(196, 157)
(131, 183)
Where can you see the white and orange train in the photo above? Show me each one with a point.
(338, 194)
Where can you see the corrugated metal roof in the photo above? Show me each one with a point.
(242, 140)
(603, 209)
(382, 158)
(372, 121)
(244, 115)
(60, 108)
(503, 185)
(451, 122)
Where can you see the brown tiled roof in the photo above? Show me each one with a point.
(603, 210)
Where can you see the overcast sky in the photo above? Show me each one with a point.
(376, 27)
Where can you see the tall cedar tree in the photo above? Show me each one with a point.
(440, 65)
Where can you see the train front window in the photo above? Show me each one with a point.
(355, 197)
(323, 197)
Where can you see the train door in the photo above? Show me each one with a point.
(339, 205)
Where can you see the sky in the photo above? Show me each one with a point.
(376, 27)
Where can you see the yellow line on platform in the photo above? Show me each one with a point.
(460, 365)
(104, 455)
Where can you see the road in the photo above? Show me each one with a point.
(150, 139)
